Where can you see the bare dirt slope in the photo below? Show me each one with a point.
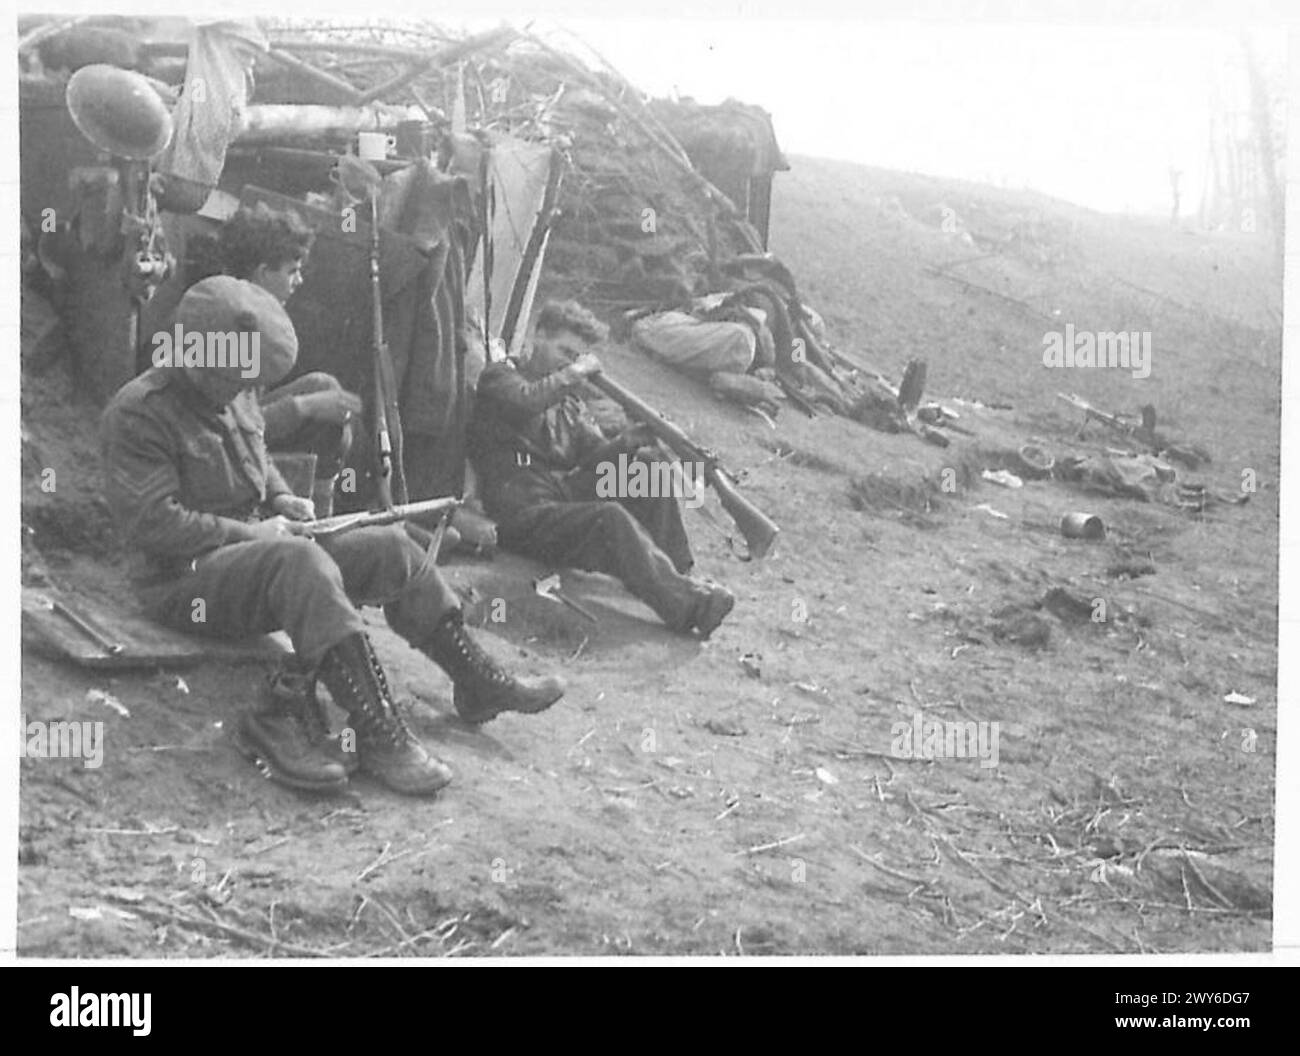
(679, 801)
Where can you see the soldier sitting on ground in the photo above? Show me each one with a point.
(313, 412)
(223, 551)
(537, 449)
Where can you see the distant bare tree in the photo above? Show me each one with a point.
(1266, 149)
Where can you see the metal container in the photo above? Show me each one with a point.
(1082, 526)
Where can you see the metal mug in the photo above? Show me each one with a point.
(375, 146)
(1082, 526)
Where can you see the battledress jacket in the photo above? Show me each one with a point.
(182, 476)
(525, 431)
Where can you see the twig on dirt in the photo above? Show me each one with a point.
(252, 938)
(729, 809)
(578, 651)
(1144, 904)
(757, 848)
(980, 871)
(1096, 820)
(502, 937)
(740, 949)
(137, 832)
(798, 720)
(411, 941)
(870, 753)
(1205, 881)
(339, 813)
(356, 913)
(381, 860)
(921, 812)
(392, 917)
(887, 870)
(387, 859)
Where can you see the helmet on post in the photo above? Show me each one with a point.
(119, 112)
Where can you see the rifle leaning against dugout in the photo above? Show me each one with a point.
(345, 522)
(759, 530)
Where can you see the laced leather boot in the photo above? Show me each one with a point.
(283, 738)
(294, 688)
(388, 751)
(482, 691)
(712, 609)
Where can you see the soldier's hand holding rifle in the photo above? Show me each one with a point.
(294, 508)
(581, 367)
(279, 527)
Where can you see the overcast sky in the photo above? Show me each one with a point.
(1095, 114)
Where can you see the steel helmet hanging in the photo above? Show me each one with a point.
(119, 111)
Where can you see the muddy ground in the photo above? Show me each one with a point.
(681, 801)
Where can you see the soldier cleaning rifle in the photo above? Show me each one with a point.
(224, 550)
(536, 449)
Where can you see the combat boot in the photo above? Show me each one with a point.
(387, 749)
(294, 688)
(481, 690)
(714, 607)
(281, 737)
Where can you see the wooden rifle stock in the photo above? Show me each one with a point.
(345, 522)
(759, 530)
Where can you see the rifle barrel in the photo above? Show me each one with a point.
(759, 530)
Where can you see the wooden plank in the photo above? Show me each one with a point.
(144, 643)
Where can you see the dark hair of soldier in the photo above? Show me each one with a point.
(570, 315)
(261, 235)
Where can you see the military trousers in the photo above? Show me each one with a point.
(556, 519)
(308, 588)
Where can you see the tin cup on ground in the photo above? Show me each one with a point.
(1082, 526)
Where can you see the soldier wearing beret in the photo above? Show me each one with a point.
(222, 550)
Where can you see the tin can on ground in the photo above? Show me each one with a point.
(1082, 526)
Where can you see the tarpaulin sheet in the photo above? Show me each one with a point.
(216, 88)
(518, 172)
